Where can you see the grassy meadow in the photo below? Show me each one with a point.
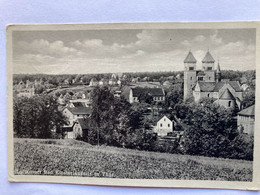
(76, 158)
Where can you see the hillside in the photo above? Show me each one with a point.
(75, 158)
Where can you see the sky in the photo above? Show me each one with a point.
(107, 51)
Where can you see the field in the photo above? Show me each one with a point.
(75, 158)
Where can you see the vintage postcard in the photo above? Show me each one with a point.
(138, 104)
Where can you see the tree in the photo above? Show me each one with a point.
(210, 129)
(37, 117)
(145, 98)
(115, 122)
(248, 98)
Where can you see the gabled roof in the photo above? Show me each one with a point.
(208, 58)
(166, 83)
(80, 110)
(207, 86)
(250, 111)
(164, 117)
(190, 58)
(93, 80)
(152, 91)
(227, 95)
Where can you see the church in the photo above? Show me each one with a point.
(207, 82)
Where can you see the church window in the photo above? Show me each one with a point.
(209, 68)
(229, 103)
(168, 125)
(191, 68)
(191, 78)
(161, 125)
(209, 78)
(208, 95)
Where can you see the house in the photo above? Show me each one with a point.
(102, 82)
(93, 82)
(246, 120)
(25, 90)
(74, 113)
(207, 82)
(157, 94)
(77, 129)
(164, 126)
(244, 87)
(112, 81)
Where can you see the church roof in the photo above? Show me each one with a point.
(206, 86)
(227, 95)
(190, 58)
(234, 84)
(208, 58)
(215, 87)
(250, 111)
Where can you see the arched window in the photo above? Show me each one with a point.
(229, 103)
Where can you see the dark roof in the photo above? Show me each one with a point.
(78, 104)
(250, 111)
(84, 123)
(152, 91)
(234, 84)
(218, 86)
(227, 95)
(190, 58)
(80, 110)
(208, 58)
(207, 86)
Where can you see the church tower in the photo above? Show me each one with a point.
(190, 77)
(208, 67)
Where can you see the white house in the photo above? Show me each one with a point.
(164, 126)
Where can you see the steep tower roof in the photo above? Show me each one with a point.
(227, 95)
(208, 58)
(190, 58)
(218, 68)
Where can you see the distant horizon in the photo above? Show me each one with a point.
(120, 72)
(109, 51)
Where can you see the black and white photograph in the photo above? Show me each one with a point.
(134, 105)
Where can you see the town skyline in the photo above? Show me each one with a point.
(108, 51)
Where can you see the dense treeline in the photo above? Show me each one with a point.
(249, 75)
(37, 117)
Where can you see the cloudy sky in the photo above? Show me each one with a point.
(102, 51)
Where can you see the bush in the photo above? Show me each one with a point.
(243, 146)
